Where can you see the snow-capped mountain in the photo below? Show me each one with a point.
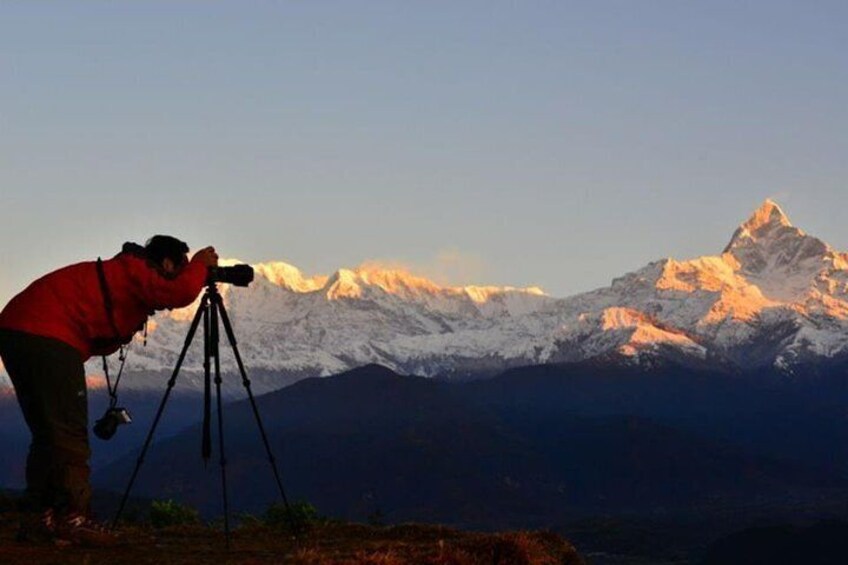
(287, 322)
(774, 297)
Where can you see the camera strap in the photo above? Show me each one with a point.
(107, 297)
(122, 356)
(113, 390)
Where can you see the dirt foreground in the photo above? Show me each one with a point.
(343, 544)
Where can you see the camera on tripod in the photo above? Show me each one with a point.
(105, 427)
(210, 313)
(237, 275)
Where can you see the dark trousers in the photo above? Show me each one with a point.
(49, 381)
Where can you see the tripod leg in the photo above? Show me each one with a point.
(246, 383)
(215, 350)
(171, 382)
(206, 434)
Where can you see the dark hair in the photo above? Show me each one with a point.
(161, 247)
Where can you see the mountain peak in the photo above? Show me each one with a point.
(289, 277)
(343, 284)
(768, 214)
(766, 218)
(396, 281)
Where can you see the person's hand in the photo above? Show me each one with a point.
(207, 256)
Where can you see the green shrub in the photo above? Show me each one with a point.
(247, 520)
(165, 513)
(298, 515)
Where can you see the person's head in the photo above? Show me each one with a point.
(168, 252)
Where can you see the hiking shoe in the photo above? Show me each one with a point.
(39, 528)
(78, 529)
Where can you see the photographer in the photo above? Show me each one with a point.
(48, 331)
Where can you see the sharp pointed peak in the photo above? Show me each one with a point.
(768, 214)
(765, 218)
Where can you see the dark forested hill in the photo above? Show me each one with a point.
(537, 447)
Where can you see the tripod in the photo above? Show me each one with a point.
(210, 311)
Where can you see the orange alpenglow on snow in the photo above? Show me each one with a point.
(395, 280)
(738, 299)
(390, 278)
(770, 277)
(768, 214)
(288, 276)
(761, 268)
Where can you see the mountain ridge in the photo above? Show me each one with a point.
(774, 297)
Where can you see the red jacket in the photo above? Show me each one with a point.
(68, 304)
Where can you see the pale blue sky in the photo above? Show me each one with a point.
(546, 143)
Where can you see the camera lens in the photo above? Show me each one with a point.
(237, 275)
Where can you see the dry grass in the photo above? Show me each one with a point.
(326, 544)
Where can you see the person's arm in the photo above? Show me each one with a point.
(160, 292)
